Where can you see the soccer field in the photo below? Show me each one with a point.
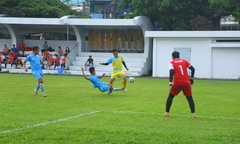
(74, 112)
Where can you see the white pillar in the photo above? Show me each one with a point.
(14, 31)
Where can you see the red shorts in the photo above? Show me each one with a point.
(185, 87)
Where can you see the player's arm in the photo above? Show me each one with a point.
(25, 67)
(107, 63)
(84, 74)
(101, 75)
(192, 73)
(104, 63)
(44, 63)
(171, 73)
(123, 62)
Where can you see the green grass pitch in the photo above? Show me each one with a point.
(74, 112)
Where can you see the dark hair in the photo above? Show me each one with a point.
(91, 69)
(35, 48)
(175, 54)
(114, 50)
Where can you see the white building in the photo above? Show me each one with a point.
(214, 54)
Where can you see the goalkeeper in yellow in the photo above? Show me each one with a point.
(118, 70)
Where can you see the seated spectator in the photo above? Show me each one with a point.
(5, 50)
(46, 55)
(19, 62)
(50, 61)
(14, 49)
(22, 47)
(9, 60)
(1, 62)
(64, 60)
(67, 51)
(59, 52)
(57, 61)
(45, 47)
(89, 62)
(51, 49)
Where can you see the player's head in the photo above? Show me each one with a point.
(35, 50)
(115, 53)
(175, 55)
(92, 70)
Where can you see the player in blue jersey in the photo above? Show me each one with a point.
(102, 86)
(35, 62)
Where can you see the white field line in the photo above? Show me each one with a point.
(212, 117)
(93, 112)
(50, 122)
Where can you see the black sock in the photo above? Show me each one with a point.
(169, 102)
(191, 103)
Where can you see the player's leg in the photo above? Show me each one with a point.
(124, 82)
(37, 88)
(187, 91)
(168, 104)
(176, 88)
(114, 89)
(191, 105)
(39, 77)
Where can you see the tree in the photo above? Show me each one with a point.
(173, 14)
(35, 8)
(181, 14)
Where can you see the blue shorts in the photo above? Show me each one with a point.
(37, 74)
(104, 87)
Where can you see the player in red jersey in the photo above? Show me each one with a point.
(182, 82)
(57, 61)
(51, 61)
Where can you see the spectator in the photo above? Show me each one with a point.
(50, 61)
(1, 62)
(5, 50)
(22, 47)
(45, 47)
(57, 61)
(19, 62)
(64, 60)
(89, 62)
(10, 60)
(60, 51)
(46, 55)
(15, 50)
(67, 51)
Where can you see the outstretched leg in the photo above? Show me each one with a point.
(168, 104)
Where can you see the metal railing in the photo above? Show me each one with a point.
(72, 56)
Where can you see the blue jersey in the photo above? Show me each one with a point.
(94, 79)
(35, 62)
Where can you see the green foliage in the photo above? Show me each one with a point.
(36, 8)
(179, 14)
(216, 103)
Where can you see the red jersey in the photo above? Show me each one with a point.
(21, 46)
(11, 59)
(46, 54)
(51, 60)
(57, 60)
(180, 70)
(0, 58)
(64, 60)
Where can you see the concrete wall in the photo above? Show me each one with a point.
(5, 41)
(200, 55)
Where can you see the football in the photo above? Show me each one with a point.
(131, 79)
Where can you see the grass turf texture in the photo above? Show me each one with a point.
(70, 96)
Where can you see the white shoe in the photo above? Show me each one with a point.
(124, 89)
(35, 92)
(44, 94)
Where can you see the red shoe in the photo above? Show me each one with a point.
(194, 116)
(166, 115)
